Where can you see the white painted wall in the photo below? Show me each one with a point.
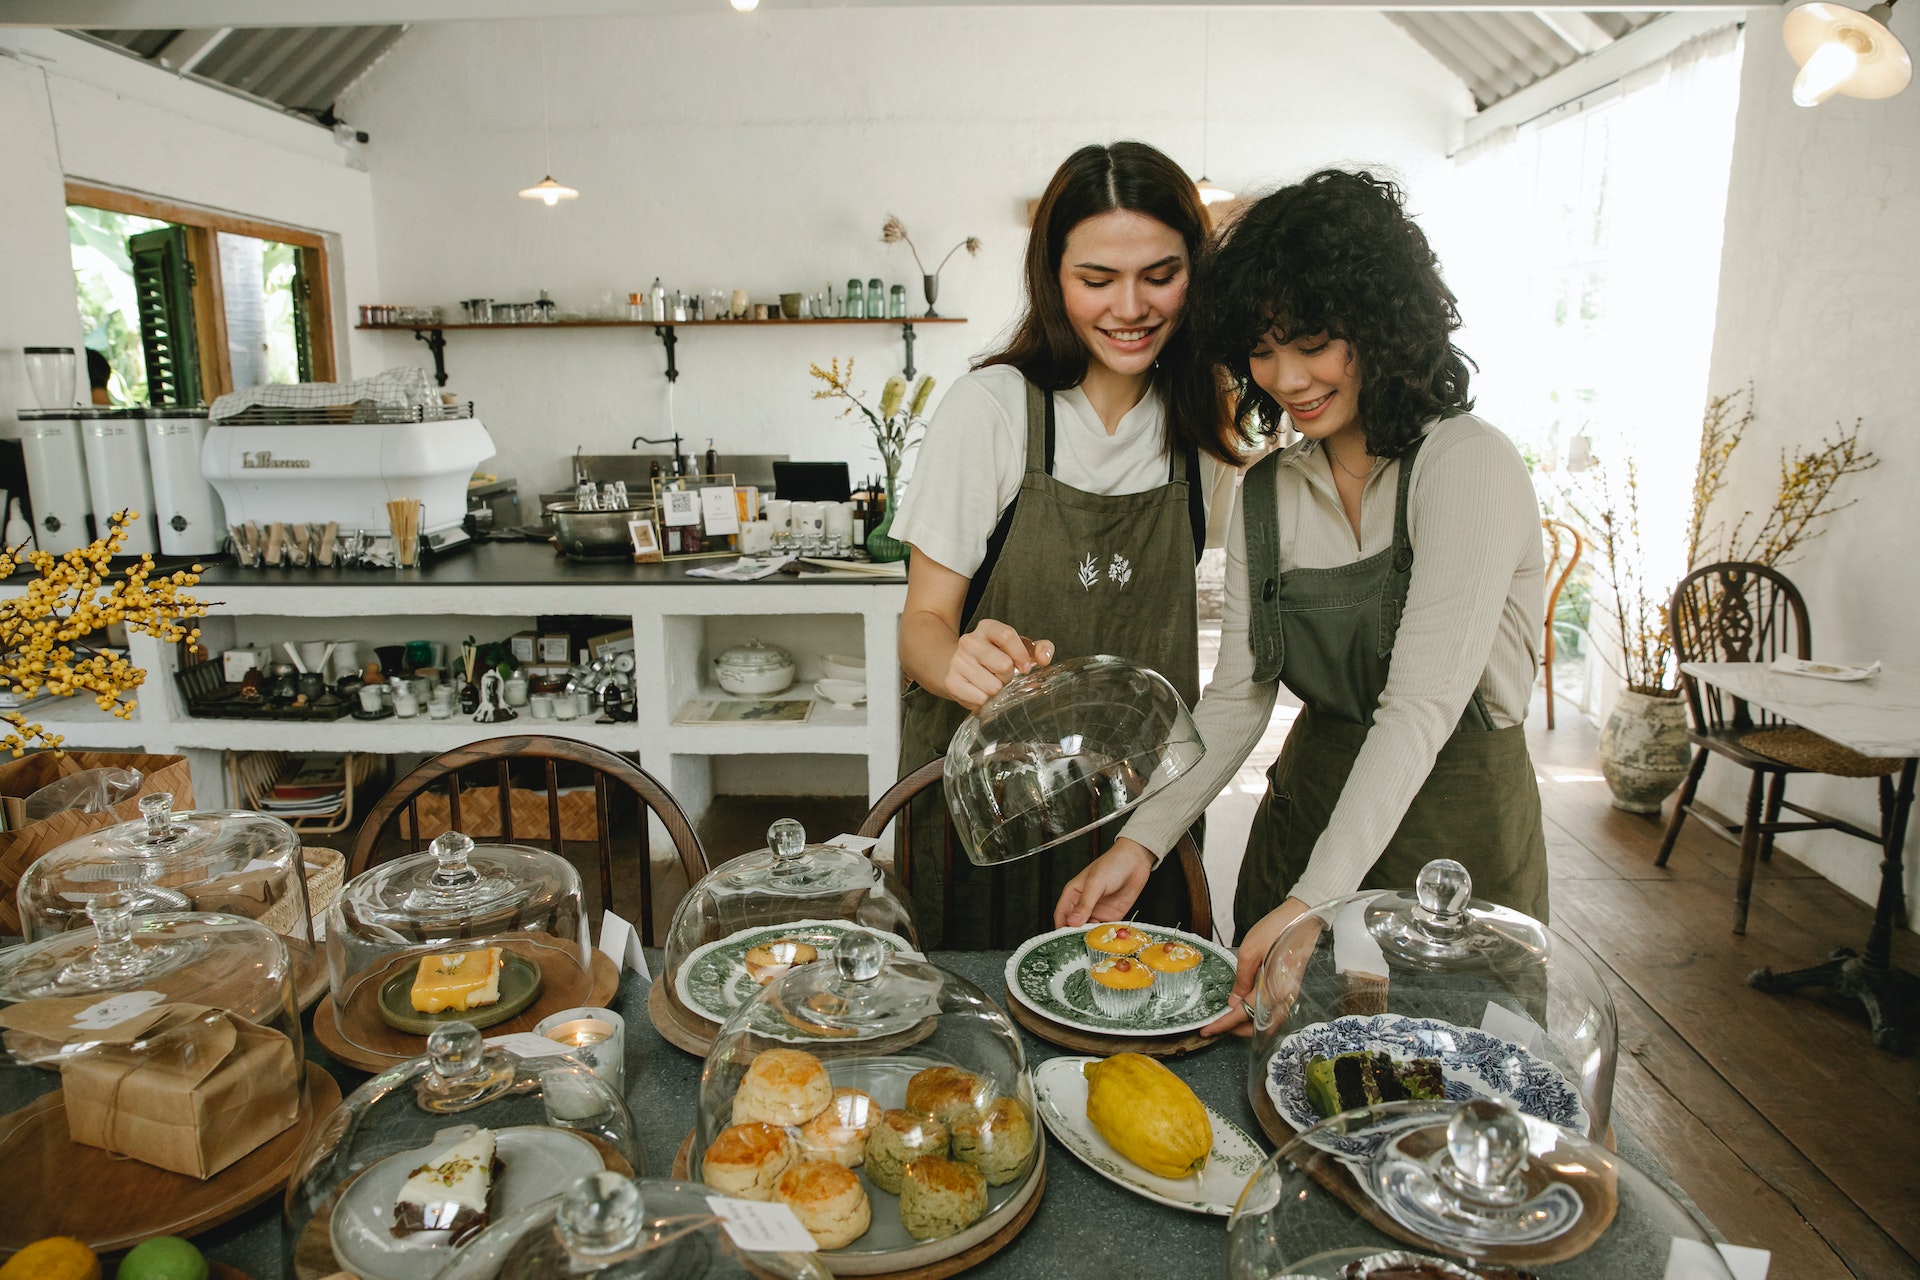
(72, 110)
(763, 152)
(1818, 275)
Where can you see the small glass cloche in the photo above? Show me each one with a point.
(158, 1056)
(882, 1098)
(423, 1157)
(1388, 1190)
(754, 917)
(1062, 750)
(463, 932)
(615, 1228)
(1385, 996)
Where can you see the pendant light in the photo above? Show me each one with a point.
(546, 190)
(1842, 50)
(1210, 193)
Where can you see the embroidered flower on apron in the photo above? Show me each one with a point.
(1089, 572)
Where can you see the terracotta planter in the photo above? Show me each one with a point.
(1643, 751)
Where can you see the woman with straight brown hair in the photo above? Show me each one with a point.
(1061, 501)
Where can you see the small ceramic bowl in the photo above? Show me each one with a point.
(842, 693)
(840, 666)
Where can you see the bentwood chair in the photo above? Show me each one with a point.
(1738, 611)
(921, 787)
(517, 771)
(1560, 535)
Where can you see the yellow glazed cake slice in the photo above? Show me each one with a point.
(458, 980)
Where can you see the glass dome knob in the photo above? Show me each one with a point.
(1444, 888)
(451, 849)
(603, 1213)
(788, 840)
(114, 955)
(1486, 1147)
(456, 1049)
(157, 809)
(859, 956)
(465, 1072)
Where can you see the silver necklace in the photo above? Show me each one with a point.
(1357, 475)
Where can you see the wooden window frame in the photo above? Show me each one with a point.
(210, 314)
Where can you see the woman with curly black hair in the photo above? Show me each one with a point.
(1386, 567)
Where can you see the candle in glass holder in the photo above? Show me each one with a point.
(596, 1037)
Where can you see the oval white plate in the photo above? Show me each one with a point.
(1060, 1090)
(1040, 971)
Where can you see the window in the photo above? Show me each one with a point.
(183, 305)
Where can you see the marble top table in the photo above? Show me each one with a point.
(1878, 717)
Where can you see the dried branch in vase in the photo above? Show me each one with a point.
(895, 429)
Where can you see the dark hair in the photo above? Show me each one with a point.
(1096, 180)
(1337, 254)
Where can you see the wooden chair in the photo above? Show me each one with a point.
(1557, 531)
(904, 793)
(1737, 611)
(608, 771)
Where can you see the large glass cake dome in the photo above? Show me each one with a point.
(153, 1080)
(754, 917)
(884, 1099)
(613, 1228)
(494, 935)
(1432, 1188)
(1389, 995)
(422, 1158)
(1062, 750)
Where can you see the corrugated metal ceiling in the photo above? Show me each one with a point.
(1500, 52)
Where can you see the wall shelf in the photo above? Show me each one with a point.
(435, 335)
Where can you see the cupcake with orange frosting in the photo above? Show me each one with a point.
(1176, 968)
(1105, 941)
(1121, 986)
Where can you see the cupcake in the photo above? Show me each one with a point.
(1176, 969)
(1105, 941)
(1121, 986)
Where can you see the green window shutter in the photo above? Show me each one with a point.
(163, 288)
(302, 322)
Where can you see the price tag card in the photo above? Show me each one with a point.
(1691, 1258)
(1515, 1027)
(762, 1227)
(620, 943)
(854, 844)
(1354, 950)
(722, 515)
(679, 506)
(525, 1044)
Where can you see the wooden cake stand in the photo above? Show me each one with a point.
(1099, 1043)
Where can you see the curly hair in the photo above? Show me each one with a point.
(1337, 254)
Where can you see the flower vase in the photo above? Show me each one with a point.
(930, 285)
(1643, 750)
(884, 548)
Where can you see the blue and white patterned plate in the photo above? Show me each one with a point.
(1474, 1064)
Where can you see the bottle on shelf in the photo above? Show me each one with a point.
(659, 298)
(713, 459)
(876, 299)
(856, 302)
(897, 302)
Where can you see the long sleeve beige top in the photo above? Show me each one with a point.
(1472, 622)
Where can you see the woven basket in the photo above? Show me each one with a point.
(480, 815)
(1805, 749)
(326, 871)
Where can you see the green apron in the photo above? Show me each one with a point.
(1328, 635)
(1093, 574)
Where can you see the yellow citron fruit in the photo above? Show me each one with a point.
(1148, 1114)
(55, 1258)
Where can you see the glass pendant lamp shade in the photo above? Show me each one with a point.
(1211, 194)
(549, 191)
(1842, 50)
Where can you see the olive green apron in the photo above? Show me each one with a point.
(1328, 635)
(1094, 574)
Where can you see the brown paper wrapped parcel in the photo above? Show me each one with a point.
(183, 1086)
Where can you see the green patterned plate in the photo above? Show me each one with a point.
(1060, 1089)
(1049, 974)
(714, 981)
(519, 987)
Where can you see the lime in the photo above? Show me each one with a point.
(163, 1258)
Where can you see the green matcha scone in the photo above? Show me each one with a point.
(901, 1136)
(996, 1141)
(941, 1197)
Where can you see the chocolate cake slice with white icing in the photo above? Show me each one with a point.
(445, 1200)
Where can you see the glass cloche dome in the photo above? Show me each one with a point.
(1381, 1191)
(615, 1228)
(485, 934)
(156, 1055)
(754, 917)
(422, 1158)
(1385, 996)
(1062, 750)
(884, 1099)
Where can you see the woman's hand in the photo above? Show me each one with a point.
(1107, 888)
(1253, 954)
(987, 657)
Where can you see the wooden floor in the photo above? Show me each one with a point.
(1775, 1113)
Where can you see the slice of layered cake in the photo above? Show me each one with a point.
(1361, 1079)
(458, 980)
(445, 1200)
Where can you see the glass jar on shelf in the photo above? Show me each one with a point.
(494, 935)
(153, 1079)
(856, 307)
(876, 299)
(424, 1156)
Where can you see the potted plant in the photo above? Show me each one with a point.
(896, 427)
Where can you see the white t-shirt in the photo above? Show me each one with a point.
(975, 453)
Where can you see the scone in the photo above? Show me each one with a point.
(901, 1136)
(745, 1160)
(995, 1141)
(941, 1197)
(783, 1086)
(840, 1132)
(1121, 988)
(946, 1093)
(771, 959)
(829, 1201)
